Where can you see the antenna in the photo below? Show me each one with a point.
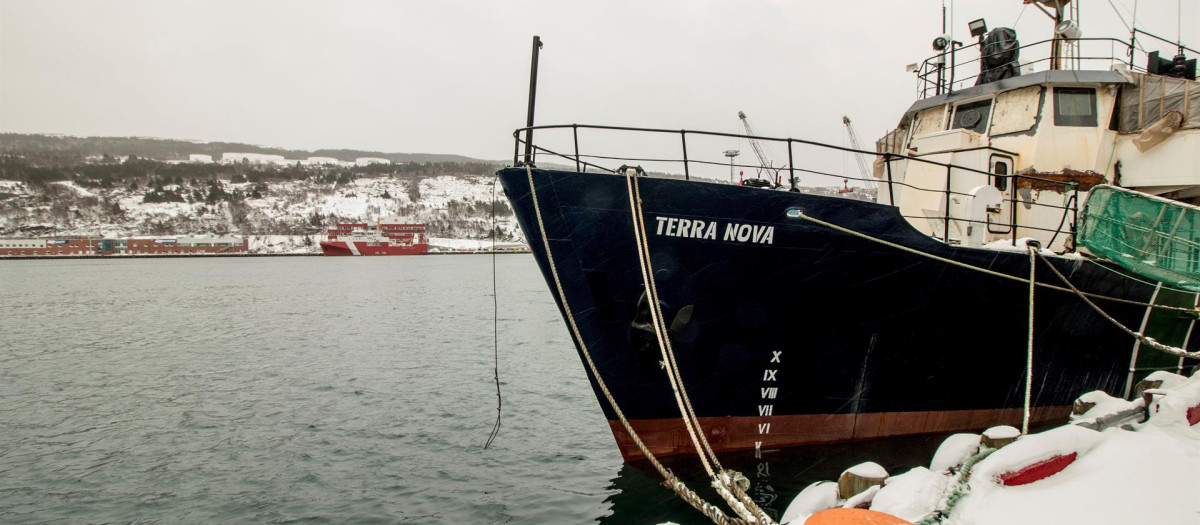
(951, 20)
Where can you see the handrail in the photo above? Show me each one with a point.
(933, 80)
(585, 161)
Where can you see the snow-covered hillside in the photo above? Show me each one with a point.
(452, 206)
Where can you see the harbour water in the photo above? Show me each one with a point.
(323, 390)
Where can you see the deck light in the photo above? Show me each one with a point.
(1068, 29)
(978, 27)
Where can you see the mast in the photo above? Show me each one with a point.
(537, 46)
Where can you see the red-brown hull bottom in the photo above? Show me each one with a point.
(665, 437)
(341, 248)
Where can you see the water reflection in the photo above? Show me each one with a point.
(776, 477)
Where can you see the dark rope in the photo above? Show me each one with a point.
(495, 326)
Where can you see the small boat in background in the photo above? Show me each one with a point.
(385, 237)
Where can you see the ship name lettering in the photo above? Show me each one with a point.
(750, 233)
(765, 410)
(691, 228)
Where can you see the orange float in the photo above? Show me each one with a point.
(853, 517)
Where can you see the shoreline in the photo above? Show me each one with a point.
(222, 255)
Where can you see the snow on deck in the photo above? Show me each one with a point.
(1146, 472)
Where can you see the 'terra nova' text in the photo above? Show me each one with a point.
(698, 229)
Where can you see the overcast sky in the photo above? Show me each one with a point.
(451, 76)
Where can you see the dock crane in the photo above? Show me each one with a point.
(863, 163)
(764, 158)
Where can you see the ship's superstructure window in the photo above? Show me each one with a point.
(972, 116)
(1074, 106)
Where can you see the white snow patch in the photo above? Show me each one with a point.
(814, 498)
(869, 469)
(1022, 246)
(1034, 448)
(1001, 432)
(913, 494)
(1129, 477)
(953, 451)
(1169, 380)
(862, 499)
(283, 244)
(83, 192)
(1104, 405)
(1170, 411)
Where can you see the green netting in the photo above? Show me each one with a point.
(1151, 236)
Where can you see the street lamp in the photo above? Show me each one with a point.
(731, 153)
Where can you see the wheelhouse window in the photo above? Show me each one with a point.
(1074, 106)
(972, 116)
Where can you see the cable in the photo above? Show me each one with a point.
(495, 325)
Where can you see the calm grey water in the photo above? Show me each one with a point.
(324, 390)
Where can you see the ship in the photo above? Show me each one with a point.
(390, 236)
(962, 297)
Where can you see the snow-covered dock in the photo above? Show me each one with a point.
(1117, 462)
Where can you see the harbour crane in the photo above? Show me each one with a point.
(764, 158)
(863, 163)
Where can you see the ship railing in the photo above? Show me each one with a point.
(938, 74)
(699, 153)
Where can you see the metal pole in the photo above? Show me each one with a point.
(791, 167)
(1014, 185)
(887, 163)
(1075, 219)
(575, 135)
(537, 46)
(1132, 33)
(946, 234)
(953, 63)
(517, 148)
(683, 136)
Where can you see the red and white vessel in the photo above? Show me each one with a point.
(385, 237)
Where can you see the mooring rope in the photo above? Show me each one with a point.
(670, 480)
(1148, 341)
(690, 423)
(723, 480)
(994, 273)
(957, 489)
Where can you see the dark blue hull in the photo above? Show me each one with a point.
(802, 334)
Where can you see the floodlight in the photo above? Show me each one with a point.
(978, 27)
(1068, 29)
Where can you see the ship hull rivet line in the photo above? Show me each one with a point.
(670, 481)
(722, 480)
